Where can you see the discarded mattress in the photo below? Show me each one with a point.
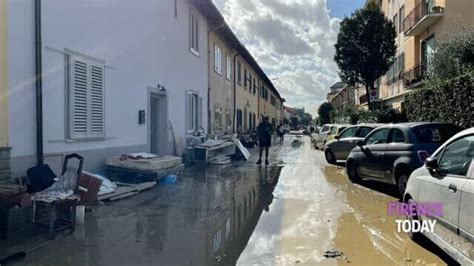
(149, 164)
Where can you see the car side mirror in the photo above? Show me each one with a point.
(360, 143)
(431, 163)
(336, 137)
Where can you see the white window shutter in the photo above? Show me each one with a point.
(200, 113)
(96, 107)
(78, 98)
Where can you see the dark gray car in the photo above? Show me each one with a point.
(340, 148)
(390, 153)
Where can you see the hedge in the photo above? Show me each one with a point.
(451, 101)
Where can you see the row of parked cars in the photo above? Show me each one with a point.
(428, 162)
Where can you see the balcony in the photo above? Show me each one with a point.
(421, 17)
(414, 76)
(363, 99)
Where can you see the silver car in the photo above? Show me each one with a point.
(318, 138)
(340, 148)
(448, 177)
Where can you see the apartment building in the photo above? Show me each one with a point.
(344, 97)
(121, 77)
(419, 24)
(4, 144)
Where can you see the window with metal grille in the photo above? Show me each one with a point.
(86, 98)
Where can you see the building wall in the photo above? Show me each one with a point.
(151, 47)
(221, 89)
(3, 75)
(246, 100)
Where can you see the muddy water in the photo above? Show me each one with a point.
(317, 209)
(288, 213)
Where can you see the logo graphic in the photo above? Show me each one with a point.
(417, 215)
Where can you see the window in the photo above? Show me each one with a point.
(193, 112)
(378, 137)
(333, 131)
(86, 98)
(193, 32)
(397, 136)
(217, 59)
(325, 129)
(250, 83)
(245, 77)
(401, 17)
(395, 22)
(254, 86)
(227, 67)
(218, 116)
(273, 100)
(363, 131)
(239, 73)
(435, 133)
(457, 157)
(348, 133)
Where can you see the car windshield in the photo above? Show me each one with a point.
(435, 133)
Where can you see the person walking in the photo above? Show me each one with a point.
(281, 132)
(265, 131)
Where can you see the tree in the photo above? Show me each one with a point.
(365, 47)
(307, 119)
(286, 121)
(324, 112)
(453, 57)
(294, 122)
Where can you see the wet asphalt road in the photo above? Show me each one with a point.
(288, 213)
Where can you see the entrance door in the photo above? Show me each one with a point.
(427, 50)
(154, 124)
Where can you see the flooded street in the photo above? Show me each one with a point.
(290, 212)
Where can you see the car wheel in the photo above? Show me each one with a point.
(330, 157)
(402, 181)
(413, 235)
(352, 173)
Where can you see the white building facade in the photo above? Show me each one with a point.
(118, 76)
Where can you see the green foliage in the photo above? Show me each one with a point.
(307, 119)
(451, 101)
(286, 121)
(453, 57)
(357, 115)
(324, 112)
(365, 46)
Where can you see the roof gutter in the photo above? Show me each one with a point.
(39, 84)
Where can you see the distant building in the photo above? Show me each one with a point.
(334, 89)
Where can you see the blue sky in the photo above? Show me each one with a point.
(342, 8)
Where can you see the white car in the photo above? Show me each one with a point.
(448, 177)
(318, 139)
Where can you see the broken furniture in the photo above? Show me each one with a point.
(214, 151)
(13, 220)
(124, 190)
(143, 167)
(57, 204)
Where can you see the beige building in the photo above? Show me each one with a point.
(4, 148)
(419, 24)
(344, 97)
(240, 92)
(221, 103)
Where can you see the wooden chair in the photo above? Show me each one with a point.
(61, 214)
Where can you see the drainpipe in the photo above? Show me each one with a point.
(209, 125)
(39, 84)
(235, 102)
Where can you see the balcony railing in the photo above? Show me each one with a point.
(422, 16)
(414, 76)
(363, 99)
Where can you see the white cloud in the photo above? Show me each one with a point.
(290, 39)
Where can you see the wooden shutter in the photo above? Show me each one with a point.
(78, 98)
(96, 107)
